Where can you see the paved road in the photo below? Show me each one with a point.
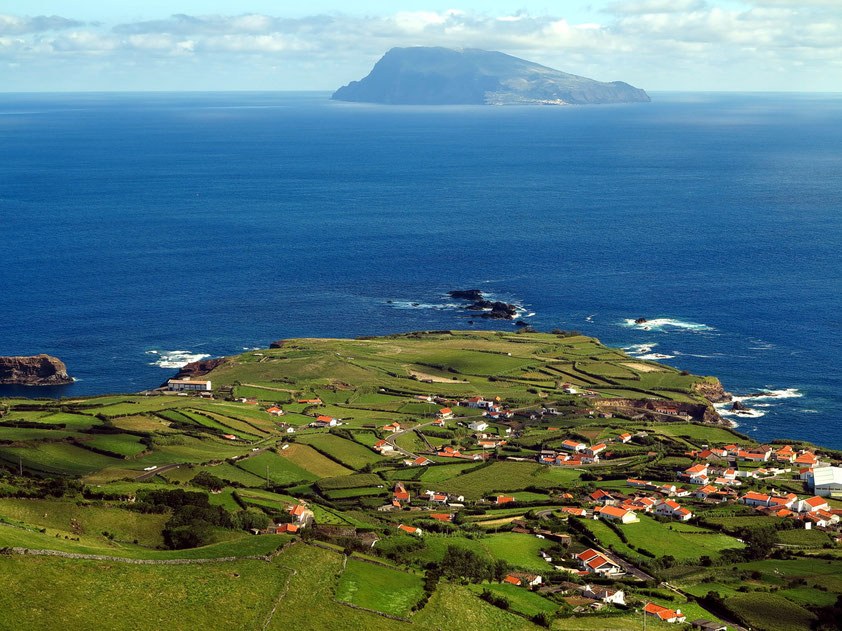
(162, 469)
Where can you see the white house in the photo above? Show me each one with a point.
(596, 449)
(478, 426)
(662, 613)
(669, 508)
(812, 504)
(615, 514)
(594, 561)
(573, 445)
(605, 594)
(753, 498)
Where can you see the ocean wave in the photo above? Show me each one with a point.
(809, 411)
(414, 304)
(174, 359)
(724, 410)
(694, 355)
(521, 310)
(662, 324)
(644, 351)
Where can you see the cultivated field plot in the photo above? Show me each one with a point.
(379, 588)
(520, 600)
(682, 541)
(277, 469)
(72, 519)
(235, 595)
(348, 452)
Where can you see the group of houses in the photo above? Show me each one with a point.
(622, 508)
(760, 453)
(575, 453)
(813, 511)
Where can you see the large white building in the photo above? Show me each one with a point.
(181, 385)
(827, 482)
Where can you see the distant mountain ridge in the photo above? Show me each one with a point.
(442, 76)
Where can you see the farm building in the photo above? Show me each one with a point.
(188, 385)
(827, 482)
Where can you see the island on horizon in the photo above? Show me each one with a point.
(442, 76)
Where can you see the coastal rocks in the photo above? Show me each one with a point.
(198, 368)
(641, 321)
(712, 390)
(739, 408)
(466, 294)
(37, 370)
(490, 310)
(278, 344)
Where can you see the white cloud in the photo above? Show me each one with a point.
(17, 25)
(638, 7)
(669, 41)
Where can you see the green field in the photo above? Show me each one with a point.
(680, 540)
(82, 595)
(770, 612)
(350, 453)
(522, 600)
(278, 469)
(378, 588)
(84, 488)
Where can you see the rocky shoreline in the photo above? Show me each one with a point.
(35, 370)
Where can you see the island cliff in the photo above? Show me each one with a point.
(441, 76)
(37, 370)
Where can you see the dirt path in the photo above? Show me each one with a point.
(434, 378)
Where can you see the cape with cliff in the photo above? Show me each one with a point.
(443, 76)
(420, 480)
(536, 368)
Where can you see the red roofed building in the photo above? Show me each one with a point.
(812, 504)
(442, 516)
(615, 513)
(514, 580)
(504, 499)
(753, 498)
(662, 613)
(596, 449)
(594, 561)
(573, 445)
(412, 530)
(445, 413)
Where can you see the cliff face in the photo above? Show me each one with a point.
(38, 370)
(441, 76)
(199, 368)
(696, 411)
(712, 391)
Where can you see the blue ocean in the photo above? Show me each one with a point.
(141, 231)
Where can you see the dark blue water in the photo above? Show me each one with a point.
(210, 223)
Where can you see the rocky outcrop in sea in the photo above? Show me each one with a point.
(36, 370)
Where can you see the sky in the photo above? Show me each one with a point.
(658, 45)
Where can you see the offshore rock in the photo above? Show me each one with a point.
(37, 370)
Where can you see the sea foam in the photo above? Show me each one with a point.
(174, 359)
(662, 324)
